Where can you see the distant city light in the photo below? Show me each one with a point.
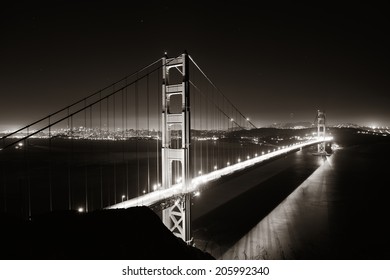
(239, 160)
(80, 210)
(200, 172)
(228, 163)
(215, 167)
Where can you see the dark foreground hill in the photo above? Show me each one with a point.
(134, 233)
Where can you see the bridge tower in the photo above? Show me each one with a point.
(176, 125)
(321, 131)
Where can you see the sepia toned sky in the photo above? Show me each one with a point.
(275, 62)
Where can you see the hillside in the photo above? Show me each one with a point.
(134, 233)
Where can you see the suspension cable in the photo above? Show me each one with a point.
(216, 105)
(211, 82)
(81, 100)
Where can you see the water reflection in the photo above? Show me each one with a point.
(297, 228)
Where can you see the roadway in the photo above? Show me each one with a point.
(200, 181)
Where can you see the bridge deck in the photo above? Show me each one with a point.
(177, 189)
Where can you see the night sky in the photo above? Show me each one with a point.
(276, 63)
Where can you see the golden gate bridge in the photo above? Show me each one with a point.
(155, 137)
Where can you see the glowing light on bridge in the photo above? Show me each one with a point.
(162, 194)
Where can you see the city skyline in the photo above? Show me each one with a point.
(286, 62)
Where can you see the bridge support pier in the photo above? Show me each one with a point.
(176, 142)
(177, 218)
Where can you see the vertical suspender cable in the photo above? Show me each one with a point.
(201, 132)
(214, 128)
(71, 161)
(136, 131)
(50, 170)
(159, 112)
(69, 155)
(108, 146)
(219, 142)
(86, 155)
(86, 168)
(91, 206)
(28, 174)
(115, 138)
(127, 146)
(100, 141)
(147, 127)
(194, 144)
(85, 151)
(230, 145)
(123, 142)
(207, 133)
